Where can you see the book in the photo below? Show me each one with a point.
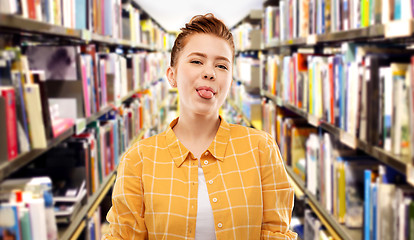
(298, 148)
(21, 113)
(312, 225)
(4, 154)
(5, 72)
(11, 123)
(39, 79)
(38, 218)
(354, 188)
(387, 192)
(9, 223)
(400, 107)
(327, 173)
(411, 110)
(91, 51)
(58, 62)
(313, 152)
(86, 84)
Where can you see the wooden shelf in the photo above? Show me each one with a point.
(7, 168)
(378, 31)
(17, 23)
(337, 230)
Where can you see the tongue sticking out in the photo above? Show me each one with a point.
(205, 93)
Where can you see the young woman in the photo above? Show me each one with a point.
(202, 178)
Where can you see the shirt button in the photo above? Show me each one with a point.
(219, 225)
(215, 200)
(211, 181)
(205, 162)
(205, 154)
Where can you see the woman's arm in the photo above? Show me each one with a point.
(126, 216)
(277, 193)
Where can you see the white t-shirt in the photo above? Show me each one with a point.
(205, 220)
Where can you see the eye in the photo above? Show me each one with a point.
(222, 67)
(195, 62)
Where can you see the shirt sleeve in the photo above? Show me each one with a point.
(278, 194)
(126, 216)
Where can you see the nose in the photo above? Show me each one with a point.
(209, 74)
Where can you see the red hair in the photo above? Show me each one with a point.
(207, 24)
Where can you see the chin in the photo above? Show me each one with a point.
(205, 111)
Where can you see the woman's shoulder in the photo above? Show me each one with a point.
(239, 131)
(150, 142)
(143, 147)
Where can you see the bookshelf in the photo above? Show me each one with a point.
(76, 227)
(10, 167)
(378, 32)
(397, 162)
(335, 229)
(139, 58)
(326, 70)
(17, 24)
(247, 34)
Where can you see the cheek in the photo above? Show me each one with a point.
(186, 74)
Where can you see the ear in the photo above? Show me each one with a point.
(171, 76)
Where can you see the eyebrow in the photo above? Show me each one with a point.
(205, 56)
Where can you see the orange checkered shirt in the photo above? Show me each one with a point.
(155, 194)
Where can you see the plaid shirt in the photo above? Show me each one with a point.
(155, 194)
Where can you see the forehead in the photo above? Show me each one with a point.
(208, 44)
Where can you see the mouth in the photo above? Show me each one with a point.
(205, 92)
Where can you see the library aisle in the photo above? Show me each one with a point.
(331, 81)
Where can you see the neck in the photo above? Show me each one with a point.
(197, 127)
(196, 132)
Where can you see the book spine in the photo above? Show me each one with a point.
(40, 79)
(81, 8)
(86, 100)
(31, 9)
(11, 123)
(38, 219)
(34, 113)
(374, 204)
(411, 115)
(397, 9)
(411, 221)
(367, 204)
(22, 121)
(388, 88)
(38, 10)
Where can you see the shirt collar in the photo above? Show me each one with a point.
(217, 148)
